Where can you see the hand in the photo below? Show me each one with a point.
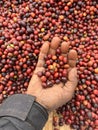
(59, 94)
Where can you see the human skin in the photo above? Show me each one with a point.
(59, 94)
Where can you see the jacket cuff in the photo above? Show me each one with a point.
(24, 107)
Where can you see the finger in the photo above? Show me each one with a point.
(64, 48)
(54, 45)
(72, 58)
(72, 80)
(70, 86)
(46, 37)
(43, 52)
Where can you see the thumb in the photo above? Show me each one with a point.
(72, 79)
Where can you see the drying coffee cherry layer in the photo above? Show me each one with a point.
(25, 25)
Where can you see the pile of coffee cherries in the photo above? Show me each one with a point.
(25, 25)
(55, 70)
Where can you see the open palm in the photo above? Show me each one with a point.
(59, 94)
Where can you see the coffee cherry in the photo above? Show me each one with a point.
(54, 73)
(25, 25)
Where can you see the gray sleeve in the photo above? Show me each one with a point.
(23, 112)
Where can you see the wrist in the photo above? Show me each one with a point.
(39, 101)
(41, 106)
